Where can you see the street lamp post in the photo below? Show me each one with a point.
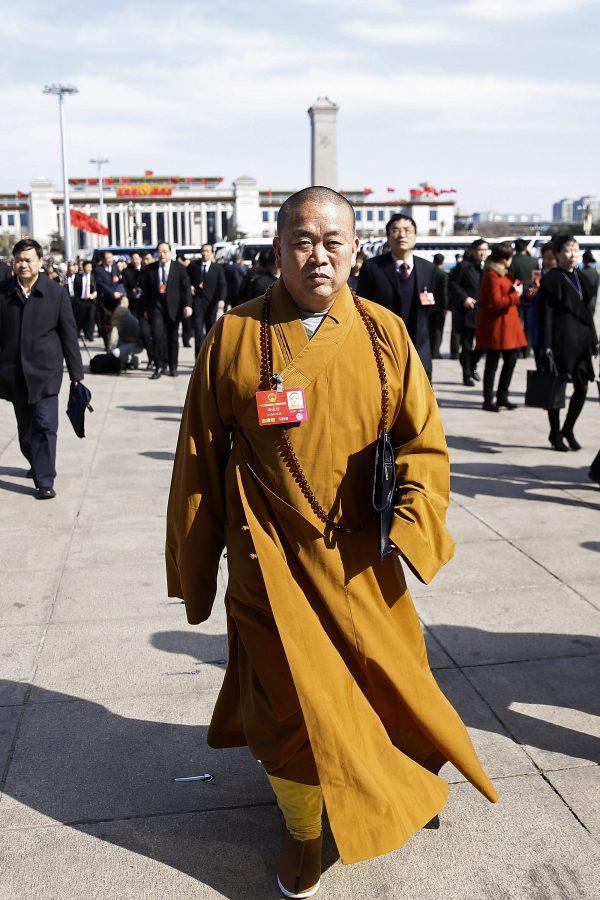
(100, 162)
(59, 90)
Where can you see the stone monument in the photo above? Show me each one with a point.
(323, 142)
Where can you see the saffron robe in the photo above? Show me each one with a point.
(327, 679)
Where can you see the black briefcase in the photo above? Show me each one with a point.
(546, 390)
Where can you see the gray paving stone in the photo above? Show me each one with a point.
(116, 592)
(95, 659)
(550, 706)
(21, 553)
(78, 761)
(570, 557)
(9, 720)
(544, 622)
(580, 789)
(26, 597)
(18, 649)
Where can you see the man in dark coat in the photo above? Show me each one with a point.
(85, 294)
(210, 292)
(235, 271)
(261, 277)
(403, 283)
(464, 286)
(167, 299)
(5, 270)
(37, 329)
(589, 273)
(110, 288)
(133, 281)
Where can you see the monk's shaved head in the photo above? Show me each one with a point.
(315, 194)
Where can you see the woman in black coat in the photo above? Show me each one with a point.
(567, 336)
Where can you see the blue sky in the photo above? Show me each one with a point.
(498, 98)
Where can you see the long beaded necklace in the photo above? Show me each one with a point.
(284, 445)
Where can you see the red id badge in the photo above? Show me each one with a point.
(162, 288)
(426, 298)
(281, 407)
(115, 279)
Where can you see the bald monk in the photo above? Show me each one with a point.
(327, 681)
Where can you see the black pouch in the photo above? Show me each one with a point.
(384, 490)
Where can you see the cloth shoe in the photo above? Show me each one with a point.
(299, 873)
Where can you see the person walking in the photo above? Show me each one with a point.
(464, 287)
(403, 282)
(589, 273)
(499, 332)
(210, 293)
(166, 300)
(327, 679)
(37, 329)
(85, 293)
(567, 336)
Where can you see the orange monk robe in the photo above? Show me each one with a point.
(328, 678)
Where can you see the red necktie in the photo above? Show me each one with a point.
(404, 273)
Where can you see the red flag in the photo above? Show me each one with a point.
(148, 173)
(21, 194)
(84, 222)
(367, 190)
(391, 190)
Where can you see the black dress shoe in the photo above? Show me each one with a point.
(173, 373)
(570, 438)
(490, 406)
(476, 376)
(156, 374)
(558, 442)
(29, 473)
(433, 824)
(45, 494)
(468, 382)
(507, 404)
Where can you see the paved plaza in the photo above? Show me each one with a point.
(106, 693)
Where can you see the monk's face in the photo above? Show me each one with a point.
(316, 252)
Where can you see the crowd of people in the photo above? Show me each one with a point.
(503, 304)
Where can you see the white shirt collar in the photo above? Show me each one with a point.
(410, 262)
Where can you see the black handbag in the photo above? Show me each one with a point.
(384, 492)
(546, 390)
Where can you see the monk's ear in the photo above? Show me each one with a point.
(355, 249)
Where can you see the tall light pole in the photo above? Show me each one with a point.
(100, 162)
(59, 90)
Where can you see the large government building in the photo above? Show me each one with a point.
(142, 210)
(188, 211)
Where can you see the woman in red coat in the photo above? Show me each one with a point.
(499, 331)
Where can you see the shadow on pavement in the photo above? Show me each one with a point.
(175, 410)
(16, 488)
(480, 479)
(158, 454)
(110, 775)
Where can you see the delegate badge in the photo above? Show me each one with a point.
(426, 298)
(281, 407)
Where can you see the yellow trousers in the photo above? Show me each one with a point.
(301, 805)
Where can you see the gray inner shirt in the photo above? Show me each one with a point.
(312, 321)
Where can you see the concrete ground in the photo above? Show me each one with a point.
(106, 693)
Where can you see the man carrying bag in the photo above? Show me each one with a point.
(37, 329)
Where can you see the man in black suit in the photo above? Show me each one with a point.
(210, 293)
(167, 299)
(108, 282)
(37, 329)
(464, 287)
(133, 282)
(5, 270)
(403, 283)
(187, 326)
(85, 293)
